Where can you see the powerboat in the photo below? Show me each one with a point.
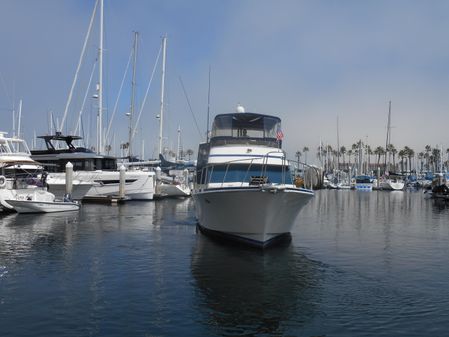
(19, 173)
(37, 206)
(363, 183)
(243, 186)
(90, 168)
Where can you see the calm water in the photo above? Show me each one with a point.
(359, 264)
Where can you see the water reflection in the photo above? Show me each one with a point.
(21, 234)
(249, 292)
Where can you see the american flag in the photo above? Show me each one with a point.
(279, 134)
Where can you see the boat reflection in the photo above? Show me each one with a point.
(21, 234)
(249, 292)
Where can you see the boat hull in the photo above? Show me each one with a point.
(255, 215)
(364, 187)
(139, 185)
(29, 206)
(79, 190)
(166, 190)
(34, 194)
(392, 186)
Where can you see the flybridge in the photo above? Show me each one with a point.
(246, 127)
(59, 137)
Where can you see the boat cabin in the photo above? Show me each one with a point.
(245, 128)
(56, 156)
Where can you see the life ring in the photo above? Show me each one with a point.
(2, 181)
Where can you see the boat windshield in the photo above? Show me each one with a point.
(245, 125)
(244, 173)
(19, 146)
(13, 146)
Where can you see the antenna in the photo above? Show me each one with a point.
(19, 119)
(208, 109)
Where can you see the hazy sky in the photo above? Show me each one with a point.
(305, 61)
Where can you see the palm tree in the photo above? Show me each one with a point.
(394, 152)
(379, 152)
(369, 151)
(350, 153)
(436, 157)
(343, 152)
(298, 157)
(428, 150)
(402, 155)
(329, 152)
(447, 153)
(305, 150)
(410, 154)
(421, 157)
(189, 152)
(355, 151)
(335, 155)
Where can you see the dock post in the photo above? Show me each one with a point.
(68, 178)
(158, 179)
(121, 190)
(185, 174)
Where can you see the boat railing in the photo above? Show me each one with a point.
(207, 172)
(312, 175)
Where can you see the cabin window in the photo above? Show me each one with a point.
(245, 173)
(245, 125)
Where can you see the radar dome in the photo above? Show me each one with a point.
(240, 108)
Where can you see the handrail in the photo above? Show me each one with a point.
(208, 170)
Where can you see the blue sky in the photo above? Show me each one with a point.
(305, 61)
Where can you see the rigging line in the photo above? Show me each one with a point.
(190, 107)
(146, 93)
(69, 99)
(85, 98)
(118, 96)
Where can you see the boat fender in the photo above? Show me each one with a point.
(2, 181)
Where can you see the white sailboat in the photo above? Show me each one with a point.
(92, 168)
(175, 184)
(390, 182)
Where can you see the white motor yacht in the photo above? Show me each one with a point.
(90, 168)
(244, 187)
(19, 174)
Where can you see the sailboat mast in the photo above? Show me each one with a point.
(178, 145)
(133, 94)
(388, 133)
(161, 114)
(338, 147)
(19, 119)
(100, 85)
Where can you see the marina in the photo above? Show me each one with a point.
(371, 264)
(175, 169)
